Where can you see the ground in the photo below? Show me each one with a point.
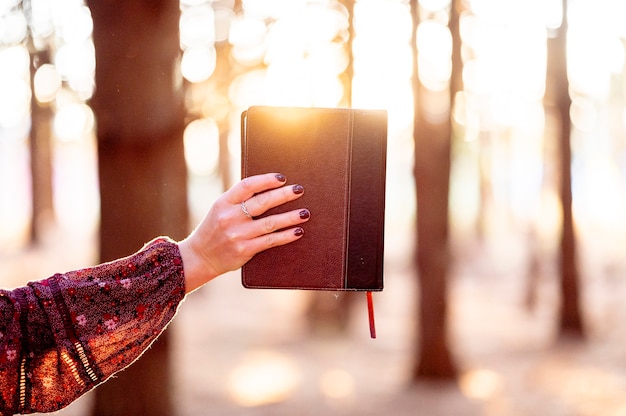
(248, 352)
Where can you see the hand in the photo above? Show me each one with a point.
(229, 235)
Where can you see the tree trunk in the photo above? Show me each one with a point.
(139, 111)
(557, 91)
(40, 155)
(432, 173)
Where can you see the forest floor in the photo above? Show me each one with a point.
(240, 352)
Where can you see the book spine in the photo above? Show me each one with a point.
(364, 270)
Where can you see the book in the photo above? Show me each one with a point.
(339, 156)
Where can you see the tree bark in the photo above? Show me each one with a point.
(140, 121)
(432, 174)
(557, 91)
(40, 155)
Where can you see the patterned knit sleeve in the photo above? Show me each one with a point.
(62, 336)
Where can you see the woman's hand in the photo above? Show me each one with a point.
(229, 235)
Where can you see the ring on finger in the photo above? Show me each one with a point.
(244, 209)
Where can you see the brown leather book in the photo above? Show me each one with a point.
(339, 156)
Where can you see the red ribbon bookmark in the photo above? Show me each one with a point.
(370, 313)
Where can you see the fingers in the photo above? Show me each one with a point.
(275, 239)
(263, 201)
(252, 185)
(276, 222)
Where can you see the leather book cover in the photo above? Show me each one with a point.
(339, 156)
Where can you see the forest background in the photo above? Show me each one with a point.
(505, 194)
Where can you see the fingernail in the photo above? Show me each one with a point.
(298, 232)
(297, 189)
(304, 214)
(280, 177)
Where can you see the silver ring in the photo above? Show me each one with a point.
(245, 210)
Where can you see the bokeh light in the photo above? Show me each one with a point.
(198, 63)
(434, 45)
(47, 83)
(263, 377)
(247, 36)
(197, 26)
(13, 27)
(14, 84)
(201, 140)
(73, 121)
(337, 384)
(295, 52)
(480, 383)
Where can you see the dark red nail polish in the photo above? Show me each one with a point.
(304, 214)
(297, 189)
(280, 177)
(298, 232)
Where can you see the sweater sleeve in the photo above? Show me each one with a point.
(62, 336)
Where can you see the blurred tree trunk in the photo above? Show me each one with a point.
(140, 117)
(40, 154)
(432, 174)
(348, 73)
(557, 92)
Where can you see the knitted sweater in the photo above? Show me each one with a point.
(62, 336)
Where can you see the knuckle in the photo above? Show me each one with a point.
(239, 248)
(232, 237)
(246, 183)
(261, 199)
(223, 219)
(270, 240)
(268, 223)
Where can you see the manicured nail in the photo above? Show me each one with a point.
(280, 177)
(304, 214)
(297, 189)
(298, 232)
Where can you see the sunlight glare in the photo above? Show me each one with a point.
(247, 89)
(201, 140)
(273, 9)
(77, 25)
(330, 58)
(223, 19)
(337, 384)
(13, 28)
(41, 18)
(263, 377)
(7, 5)
(47, 82)
(383, 61)
(286, 40)
(434, 44)
(583, 113)
(434, 5)
(192, 2)
(480, 384)
(554, 14)
(198, 63)
(323, 24)
(289, 84)
(247, 35)
(73, 121)
(14, 84)
(197, 26)
(76, 64)
(590, 68)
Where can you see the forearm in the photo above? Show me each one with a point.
(66, 334)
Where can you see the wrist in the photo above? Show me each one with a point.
(196, 271)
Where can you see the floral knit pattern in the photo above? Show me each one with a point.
(62, 336)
